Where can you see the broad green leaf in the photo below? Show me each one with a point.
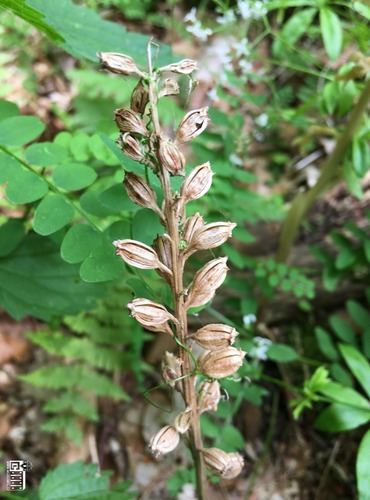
(366, 342)
(285, 4)
(79, 242)
(342, 329)
(44, 154)
(230, 439)
(330, 96)
(331, 32)
(73, 176)
(345, 395)
(25, 187)
(11, 234)
(359, 314)
(102, 264)
(341, 374)
(30, 15)
(117, 199)
(358, 364)
(295, 27)
(35, 281)
(360, 156)
(345, 258)
(326, 344)
(362, 9)
(363, 468)
(352, 180)
(101, 151)
(73, 480)
(79, 145)
(7, 108)
(146, 226)
(9, 166)
(338, 417)
(90, 202)
(53, 213)
(85, 33)
(367, 249)
(19, 130)
(281, 353)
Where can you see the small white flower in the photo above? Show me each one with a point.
(239, 162)
(212, 95)
(259, 351)
(249, 318)
(244, 8)
(242, 48)
(245, 66)
(201, 33)
(227, 18)
(262, 120)
(191, 16)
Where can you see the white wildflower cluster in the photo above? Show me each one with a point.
(194, 26)
(260, 348)
(251, 9)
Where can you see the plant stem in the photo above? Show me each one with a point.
(172, 225)
(303, 201)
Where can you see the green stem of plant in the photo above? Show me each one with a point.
(303, 201)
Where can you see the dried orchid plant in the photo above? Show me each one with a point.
(142, 139)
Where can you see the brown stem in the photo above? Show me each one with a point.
(177, 287)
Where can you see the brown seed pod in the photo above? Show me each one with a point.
(209, 396)
(129, 121)
(210, 236)
(139, 98)
(171, 371)
(192, 224)
(165, 441)
(182, 421)
(139, 255)
(184, 67)
(220, 463)
(130, 146)
(119, 63)
(162, 246)
(141, 193)
(170, 158)
(163, 328)
(206, 281)
(221, 364)
(197, 183)
(215, 337)
(170, 87)
(192, 125)
(149, 313)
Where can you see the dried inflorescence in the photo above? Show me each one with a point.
(141, 139)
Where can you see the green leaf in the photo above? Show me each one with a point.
(358, 313)
(366, 342)
(342, 329)
(11, 234)
(362, 9)
(44, 154)
(330, 96)
(331, 32)
(281, 353)
(360, 156)
(53, 213)
(72, 401)
(358, 364)
(230, 439)
(352, 180)
(73, 176)
(341, 374)
(19, 130)
(79, 242)
(345, 258)
(326, 344)
(65, 424)
(79, 145)
(9, 166)
(34, 280)
(338, 418)
(7, 108)
(102, 264)
(74, 480)
(117, 199)
(25, 187)
(363, 468)
(295, 27)
(345, 395)
(146, 226)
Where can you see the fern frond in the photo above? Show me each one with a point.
(71, 402)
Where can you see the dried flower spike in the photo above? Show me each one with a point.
(215, 337)
(139, 255)
(164, 441)
(184, 67)
(171, 158)
(170, 87)
(141, 193)
(182, 421)
(149, 313)
(130, 147)
(139, 98)
(220, 463)
(171, 371)
(206, 281)
(129, 121)
(221, 364)
(211, 236)
(192, 125)
(197, 183)
(119, 63)
(209, 396)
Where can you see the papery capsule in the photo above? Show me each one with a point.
(164, 441)
(171, 371)
(192, 125)
(139, 255)
(192, 224)
(182, 421)
(119, 63)
(221, 364)
(163, 328)
(206, 281)
(130, 147)
(170, 87)
(184, 67)
(209, 396)
(129, 121)
(220, 463)
(211, 236)
(162, 246)
(197, 183)
(139, 98)
(141, 193)
(215, 337)
(171, 158)
(149, 313)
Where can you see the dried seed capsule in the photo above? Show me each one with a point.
(220, 463)
(206, 281)
(164, 441)
(119, 63)
(149, 313)
(197, 183)
(130, 146)
(211, 236)
(129, 121)
(139, 98)
(170, 158)
(209, 396)
(139, 255)
(215, 337)
(221, 364)
(162, 245)
(170, 87)
(192, 125)
(163, 328)
(141, 193)
(192, 224)
(171, 371)
(182, 421)
(184, 67)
